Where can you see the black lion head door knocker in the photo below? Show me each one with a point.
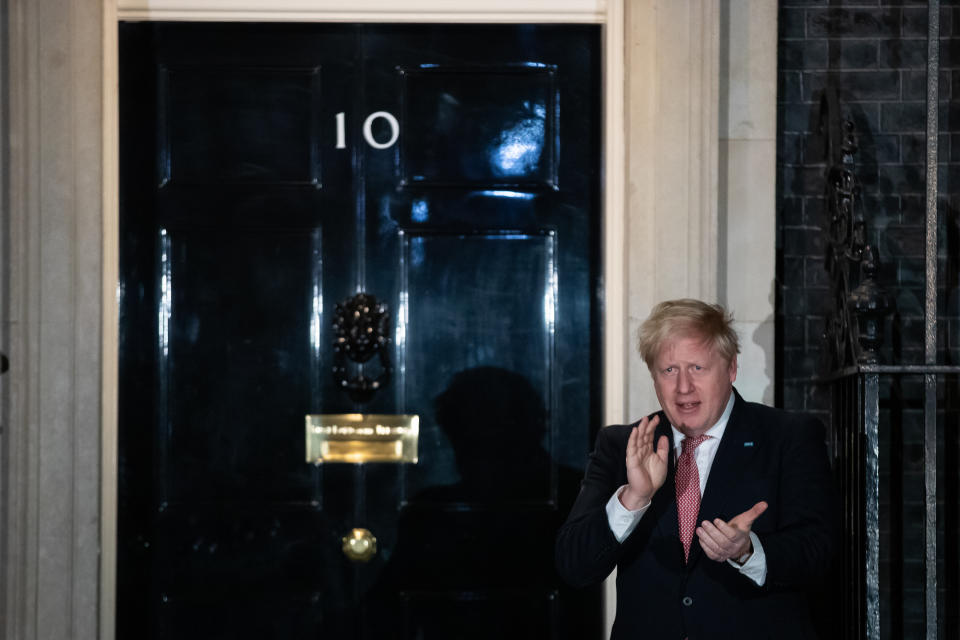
(360, 326)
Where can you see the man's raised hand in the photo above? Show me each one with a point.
(646, 466)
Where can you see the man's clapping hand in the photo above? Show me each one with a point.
(723, 541)
(646, 465)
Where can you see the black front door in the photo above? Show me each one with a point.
(270, 172)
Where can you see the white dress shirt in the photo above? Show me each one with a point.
(623, 521)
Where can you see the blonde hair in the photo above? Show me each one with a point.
(685, 318)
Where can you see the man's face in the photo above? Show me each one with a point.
(693, 383)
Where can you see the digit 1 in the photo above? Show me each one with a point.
(341, 131)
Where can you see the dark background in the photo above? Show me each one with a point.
(874, 53)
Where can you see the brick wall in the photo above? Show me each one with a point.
(874, 52)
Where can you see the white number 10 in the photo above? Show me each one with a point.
(368, 130)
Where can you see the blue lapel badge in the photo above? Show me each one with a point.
(748, 444)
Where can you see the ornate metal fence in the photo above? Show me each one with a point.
(876, 406)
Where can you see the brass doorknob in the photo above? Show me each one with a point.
(360, 545)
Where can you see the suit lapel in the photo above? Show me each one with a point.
(733, 456)
(668, 524)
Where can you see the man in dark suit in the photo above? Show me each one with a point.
(718, 514)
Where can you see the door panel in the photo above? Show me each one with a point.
(260, 328)
(475, 616)
(224, 124)
(460, 133)
(503, 344)
(270, 172)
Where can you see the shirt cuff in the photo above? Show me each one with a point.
(755, 567)
(622, 520)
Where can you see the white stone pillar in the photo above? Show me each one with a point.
(747, 198)
(672, 149)
(51, 441)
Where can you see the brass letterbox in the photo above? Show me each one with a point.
(362, 437)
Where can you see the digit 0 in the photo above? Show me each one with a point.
(368, 129)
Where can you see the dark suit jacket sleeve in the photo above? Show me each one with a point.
(586, 549)
(800, 549)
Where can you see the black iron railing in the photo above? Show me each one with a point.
(876, 407)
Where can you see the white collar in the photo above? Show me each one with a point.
(716, 431)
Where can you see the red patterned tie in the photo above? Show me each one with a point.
(688, 491)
